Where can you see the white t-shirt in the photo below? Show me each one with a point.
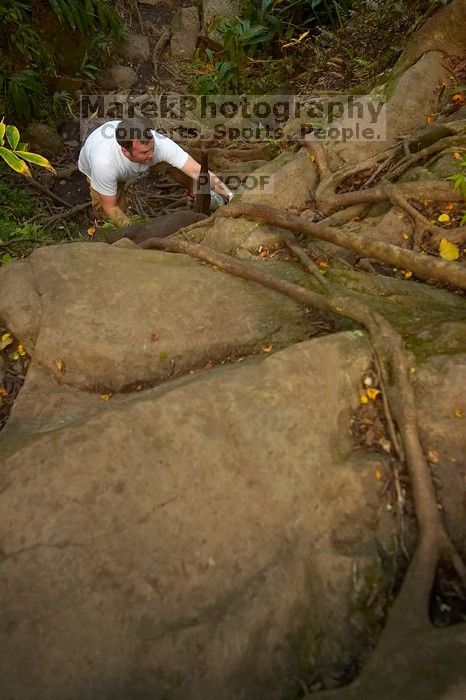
(102, 159)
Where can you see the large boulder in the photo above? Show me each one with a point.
(112, 317)
(286, 182)
(199, 540)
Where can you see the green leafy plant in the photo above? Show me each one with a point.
(264, 14)
(240, 41)
(304, 12)
(22, 92)
(62, 101)
(87, 15)
(16, 154)
(32, 56)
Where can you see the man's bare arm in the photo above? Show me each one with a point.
(192, 169)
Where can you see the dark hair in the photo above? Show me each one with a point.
(129, 130)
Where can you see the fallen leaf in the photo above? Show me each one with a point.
(447, 250)
(444, 219)
(378, 475)
(372, 393)
(458, 99)
(91, 231)
(21, 350)
(407, 274)
(5, 340)
(433, 456)
(385, 445)
(267, 347)
(363, 399)
(311, 157)
(14, 356)
(105, 397)
(459, 413)
(405, 236)
(449, 206)
(59, 364)
(430, 119)
(456, 155)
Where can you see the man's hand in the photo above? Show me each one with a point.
(112, 211)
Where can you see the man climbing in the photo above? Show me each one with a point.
(119, 151)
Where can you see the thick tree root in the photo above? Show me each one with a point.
(423, 266)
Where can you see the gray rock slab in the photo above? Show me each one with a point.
(412, 97)
(111, 317)
(201, 543)
(185, 29)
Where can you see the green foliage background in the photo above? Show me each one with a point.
(45, 40)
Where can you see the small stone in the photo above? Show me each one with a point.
(124, 77)
(136, 47)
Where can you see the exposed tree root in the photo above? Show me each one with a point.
(423, 266)
(341, 206)
(447, 143)
(409, 612)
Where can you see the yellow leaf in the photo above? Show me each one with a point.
(267, 347)
(312, 157)
(363, 399)
(106, 397)
(407, 274)
(448, 250)
(59, 364)
(459, 413)
(430, 119)
(21, 350)
(378, 475)
(444, 219)
(14, 356)
(372, 393)
(457, 156)
(405, 236)
(5, 340)
(91, 231)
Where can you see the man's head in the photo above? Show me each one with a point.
(135, 138)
